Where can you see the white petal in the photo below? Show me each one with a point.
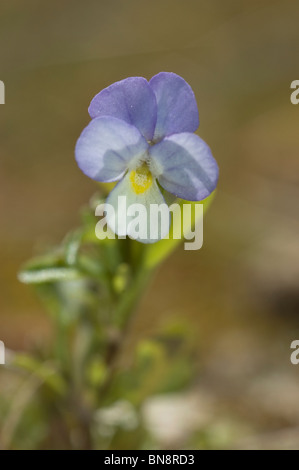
(144, 217)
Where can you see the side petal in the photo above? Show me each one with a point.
(137, 215)
(107, 147)
(177, 107)
(184, 166)
(131, 100)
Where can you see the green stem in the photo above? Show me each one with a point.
(61, 343)
(130, 298)
(123, 314)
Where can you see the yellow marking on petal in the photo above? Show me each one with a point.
(141, 179)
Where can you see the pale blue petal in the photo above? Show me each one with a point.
(107, 147)
(131, 100)
(177, 108)
(184, 166)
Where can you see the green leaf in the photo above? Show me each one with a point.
(71, 246)
(46, 372)
(52, 274)
(157, 252)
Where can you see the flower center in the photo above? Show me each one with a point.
(141, 179)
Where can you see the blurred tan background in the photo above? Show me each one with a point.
(240, 292)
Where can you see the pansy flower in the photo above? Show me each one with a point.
(142, 135)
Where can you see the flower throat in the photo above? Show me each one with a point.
(141, 179)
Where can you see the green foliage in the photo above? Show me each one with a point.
(157, 252)
(79, 390)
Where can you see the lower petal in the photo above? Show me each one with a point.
(143, 215)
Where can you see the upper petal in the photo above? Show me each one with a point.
(184, 166)
(136, 214)
(131, 100)
(107, 147)
(177, 108)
